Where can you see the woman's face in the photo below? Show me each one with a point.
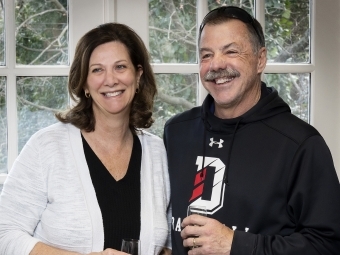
(112, 80)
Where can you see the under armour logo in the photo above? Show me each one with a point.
(212, 142)
(235, 227)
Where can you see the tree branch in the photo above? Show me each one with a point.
(41, 107)
(295, 47)
(180, 38)
(58, 4)
(35, 15)
(50, 45)
(175, 100)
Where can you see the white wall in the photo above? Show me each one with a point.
(326, 89)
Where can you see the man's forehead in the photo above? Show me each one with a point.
(223, 35)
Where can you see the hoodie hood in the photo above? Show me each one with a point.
(270, 104)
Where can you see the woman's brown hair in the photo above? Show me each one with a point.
(81, 115)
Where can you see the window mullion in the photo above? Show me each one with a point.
(260, 12)
(288, 68)
(202, 10)
(109, 10)
(11, 99)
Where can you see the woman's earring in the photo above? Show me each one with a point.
(87, 94)
(137, 90)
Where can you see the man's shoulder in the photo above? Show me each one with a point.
(291, 126)
(189, 115)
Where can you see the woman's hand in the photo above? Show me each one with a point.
(166, 251)
(108, 251)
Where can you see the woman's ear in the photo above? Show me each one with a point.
(139, 72)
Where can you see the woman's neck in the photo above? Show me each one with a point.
(111, 133)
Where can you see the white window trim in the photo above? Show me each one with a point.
(84, 15)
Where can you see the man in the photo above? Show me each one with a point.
(266, 177)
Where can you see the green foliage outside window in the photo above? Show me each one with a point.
(38, 98)
(41, 32)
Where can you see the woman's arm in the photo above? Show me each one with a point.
(43, 249)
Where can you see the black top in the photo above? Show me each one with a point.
(119, 201)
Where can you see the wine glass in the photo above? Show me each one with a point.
(197, 209)
(131, 246)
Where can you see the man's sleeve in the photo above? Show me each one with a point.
(313, 204)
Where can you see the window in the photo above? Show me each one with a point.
(33, 74)
(303, 60)
(173, 40)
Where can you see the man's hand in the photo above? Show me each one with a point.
(206, 236)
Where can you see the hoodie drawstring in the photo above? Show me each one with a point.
(226, 173)
(204, 138)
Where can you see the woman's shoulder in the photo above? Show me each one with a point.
(143, 134)
(150, 139)
(54, 132)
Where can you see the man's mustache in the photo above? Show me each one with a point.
(228, 72)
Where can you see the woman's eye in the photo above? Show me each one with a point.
(119, 67)
(96, 70)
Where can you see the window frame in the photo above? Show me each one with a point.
(84, 15)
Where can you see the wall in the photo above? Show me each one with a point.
(326, 90)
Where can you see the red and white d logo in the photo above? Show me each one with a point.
(216, 196)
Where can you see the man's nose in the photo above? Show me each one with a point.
(217, 63)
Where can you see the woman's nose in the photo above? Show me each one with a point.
(110, 79)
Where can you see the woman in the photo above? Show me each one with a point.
(81, 185)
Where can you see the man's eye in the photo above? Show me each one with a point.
(231, 52)
(205, 56)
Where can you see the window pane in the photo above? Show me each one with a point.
(244, 4)
(172, 31)
(294, 89)
(41, 32)
(38, 99)
(287, 31)
(176, 93)
(2, 36)
(3, 126)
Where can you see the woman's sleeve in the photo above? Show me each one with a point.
(22, 202)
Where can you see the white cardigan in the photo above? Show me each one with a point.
(48, 196)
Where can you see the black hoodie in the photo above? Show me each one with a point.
(267, 174)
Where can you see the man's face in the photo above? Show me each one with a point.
(227, 47)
